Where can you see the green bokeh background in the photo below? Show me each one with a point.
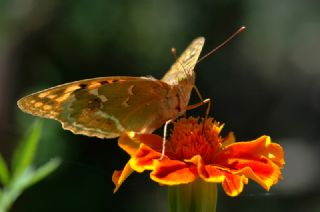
(266, 81)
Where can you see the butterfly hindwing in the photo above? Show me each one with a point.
(105, 107)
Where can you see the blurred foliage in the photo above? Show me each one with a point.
(23, 174)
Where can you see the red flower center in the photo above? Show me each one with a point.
(191, 137)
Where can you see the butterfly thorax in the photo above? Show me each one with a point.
(183, 78)
(184, 90)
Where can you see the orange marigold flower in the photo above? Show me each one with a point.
(196, 150)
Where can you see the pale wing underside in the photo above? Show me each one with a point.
(183, 68)
(105, 107)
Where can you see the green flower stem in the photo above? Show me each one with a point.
(199, 196)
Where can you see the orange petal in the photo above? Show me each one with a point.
(144, 158)
(253, 150)
(119, 177)
(259, 160)
(127, 142)
(264, 173)
(229, 139)
(151, 140)
(130, 142)
(233, 184)
(173, 172)
(208, 173)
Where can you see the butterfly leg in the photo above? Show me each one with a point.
(164, 139)
(198, 92)
(206, 101)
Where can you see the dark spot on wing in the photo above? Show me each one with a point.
(104, 82)
(94, 104)
(83, 85)
(46, 99)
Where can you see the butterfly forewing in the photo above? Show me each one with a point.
(105, 107)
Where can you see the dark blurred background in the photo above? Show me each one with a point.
(266, 81)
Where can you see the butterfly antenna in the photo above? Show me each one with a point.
(241, 29)
(204, 101)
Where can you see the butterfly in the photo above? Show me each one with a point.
(105, 107)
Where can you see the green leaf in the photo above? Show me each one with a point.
(14, 189)
(24, 172)
(4, 172)
(45, 170)
(26, 149)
